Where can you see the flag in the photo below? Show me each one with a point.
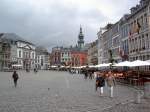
(130, 34)
(121, 52)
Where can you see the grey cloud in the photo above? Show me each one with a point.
(56, 25)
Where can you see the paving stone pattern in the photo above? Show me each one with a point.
(52, 91)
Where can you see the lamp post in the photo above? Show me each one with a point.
(111, 60)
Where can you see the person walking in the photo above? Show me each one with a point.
(110, 79)
(100, 82)
(15, 78)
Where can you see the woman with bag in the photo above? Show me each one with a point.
(110, 82)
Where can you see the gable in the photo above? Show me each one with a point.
(27, 47)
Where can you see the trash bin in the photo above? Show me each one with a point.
(137, 96)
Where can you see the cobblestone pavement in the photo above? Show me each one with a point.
(51, 91)
(144, 106)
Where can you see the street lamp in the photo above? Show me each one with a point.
(111, 60)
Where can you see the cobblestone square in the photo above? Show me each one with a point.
(52, 91)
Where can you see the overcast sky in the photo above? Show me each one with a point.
(56, 22)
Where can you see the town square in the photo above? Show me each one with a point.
(75, 56)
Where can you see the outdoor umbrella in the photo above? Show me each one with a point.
(139, 63)
(125, 63)
(92, 66)
(103, 65)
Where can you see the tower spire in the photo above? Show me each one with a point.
(80, 39)
(80, 29)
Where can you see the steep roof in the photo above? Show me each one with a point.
(13, 36)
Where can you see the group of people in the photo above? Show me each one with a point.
(73, 71)
(101, 78)
(88, 73)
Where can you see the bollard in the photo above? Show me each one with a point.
(147, 90)
(137, 97)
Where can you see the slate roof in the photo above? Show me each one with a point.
(13, 37)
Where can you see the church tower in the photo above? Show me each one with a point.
(80, 39)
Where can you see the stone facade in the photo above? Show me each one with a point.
(80, 39)
(139, 30)
(42, 58)
(105, 43)
(78, 58)
(93, 53)
(26, 55)
(5, 52)
(65, 56)
(129, 38)
(56, 56)
(21, 51)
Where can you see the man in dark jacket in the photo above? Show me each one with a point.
(100, 82)
(15, 78)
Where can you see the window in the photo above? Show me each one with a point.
(23, 54)
(147, 42)
(32, 55)
(145, 18)
(20, 62)
(141, 20)
(12, 42)
(41, 62)
(143, 42)
(19, 54)
(140, 44)
(62, 54)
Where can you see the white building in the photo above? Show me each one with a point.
(100, 45)
(22, 52)
(139, 30)
(129, 38)
(93, 53)
(42, 58)
(65, 56)
(26, 54)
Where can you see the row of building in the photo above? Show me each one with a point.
(127, 39)
(70, 56)
(17, 52)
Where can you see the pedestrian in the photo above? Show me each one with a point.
(100, 82)
(110, 79)
(90, 74)
(85, 74)
(15, 78)
(35, 70)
